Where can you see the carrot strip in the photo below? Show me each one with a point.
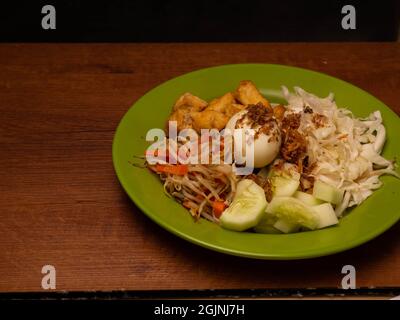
(179, 169)
(218, 208)
(187, 204)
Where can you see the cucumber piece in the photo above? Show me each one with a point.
(266, 225)
(326, 215)
(284, 177)
(242, 185)
(284, 187)
(284, 169)
(246, 209)
(286, 227)
(294, 211)
(324, 191)
(307, 198)
(285, 180)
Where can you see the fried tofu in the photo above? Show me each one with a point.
(226, 105)
(190, 101)
(183, 107)
(191, 112)
(233, 109)
(209, 119)
(183, 119)
(217, 114)
(247, 93)
(221, 103)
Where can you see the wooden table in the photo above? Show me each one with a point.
(61, 203)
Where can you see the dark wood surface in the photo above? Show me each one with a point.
(61, 203)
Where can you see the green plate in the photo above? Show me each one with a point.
(371, 218)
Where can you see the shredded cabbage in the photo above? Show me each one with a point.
(346, 150)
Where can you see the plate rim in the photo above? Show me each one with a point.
(236, 252)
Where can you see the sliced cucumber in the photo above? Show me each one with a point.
(281, 168)
(286, 227)
(266, 225)
(293, 211)
(242, 185)
(247, 207)
(285, 180)
(284, 187)
(324, 191)
(307, 198)
(326, 215)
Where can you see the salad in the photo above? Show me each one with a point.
(309, 159)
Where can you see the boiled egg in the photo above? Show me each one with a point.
(267, 137)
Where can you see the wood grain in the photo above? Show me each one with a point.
(61, 203)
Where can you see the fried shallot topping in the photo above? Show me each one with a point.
(264, 183)
(261, 119)
(294, 144)
(258, 115)
(291, 121)
(308, 109)
(307, 179)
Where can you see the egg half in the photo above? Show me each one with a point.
(267, 138)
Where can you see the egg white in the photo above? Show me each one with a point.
(266, 147)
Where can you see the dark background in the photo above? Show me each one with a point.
(201, 20)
